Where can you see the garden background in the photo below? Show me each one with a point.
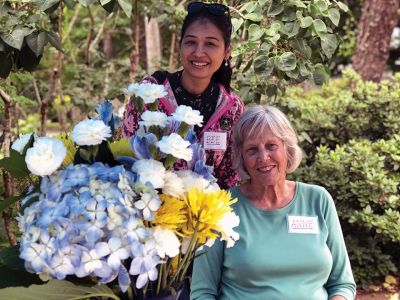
(330, 65)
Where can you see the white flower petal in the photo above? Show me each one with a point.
(90, 132)
(46, 155)
(141, 281)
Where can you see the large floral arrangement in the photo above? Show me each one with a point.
(121, 214)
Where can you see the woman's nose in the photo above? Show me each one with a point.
(199, 50)
(263, 155)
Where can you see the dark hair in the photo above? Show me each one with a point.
(224, 74)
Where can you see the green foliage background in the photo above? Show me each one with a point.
(349, 129)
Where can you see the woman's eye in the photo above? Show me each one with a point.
(251, 150)
(272, 146)
(211, 44)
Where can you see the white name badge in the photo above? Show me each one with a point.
(301, 224)
(215, 140)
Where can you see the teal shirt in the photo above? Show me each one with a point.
(269, 263)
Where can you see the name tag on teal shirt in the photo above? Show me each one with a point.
(302, 224)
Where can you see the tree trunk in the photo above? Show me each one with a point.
(378, 19)
(135, 55)
(171, 62)
(54, 77)
(7, 180)
(153, 44)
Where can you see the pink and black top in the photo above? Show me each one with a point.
(220, 109)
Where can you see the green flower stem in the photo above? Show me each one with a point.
(93, 150)
(139, 104)
(165, 275)
(153, 106)
(155, 130)
(188, 264)
(183, 129)
(160, 277)
(184, 264)
(169, 161)
(130, 293)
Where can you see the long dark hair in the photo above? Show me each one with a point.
(224, 74)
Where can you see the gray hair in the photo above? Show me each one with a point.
(253, 122)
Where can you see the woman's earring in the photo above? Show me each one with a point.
(226, 63)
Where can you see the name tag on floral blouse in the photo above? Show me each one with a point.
(215, 140)
(301, 224)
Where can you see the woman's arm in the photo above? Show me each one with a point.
(340, 284)
(207, 271)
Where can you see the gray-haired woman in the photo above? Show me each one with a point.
(291, 245)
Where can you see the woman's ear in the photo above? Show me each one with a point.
(228, 52)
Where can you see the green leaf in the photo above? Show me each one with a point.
(16, 37)
(289, 14)
(263, 65)
(263, 2)
(27, 60)
(313, 9)
(247, 66)
(248, 7)
(104, 2)
(57, 289)
(36, 41)
(4, 8)
(260, 62)
(322, 5)
(15, 165)
(6, 64)
(334, 16)
(236, 24)
(9, 201)
(255, 17)
(297, 3)
(9, 257)
(33, 18)
(286, 62)
(292, 28)
(320, 74)
(319, 26)
(304, 71)
(109, 6)
(301, 45)
(329, 43)
(275, 8)
(274, 39)
(46, 4)
(343, 6)
(16, 278)
(54, 40)
(126, 6)
(271, 90)
(306, 22)
(2, 46)
(255, 32)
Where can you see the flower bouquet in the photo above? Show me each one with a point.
(117, 213)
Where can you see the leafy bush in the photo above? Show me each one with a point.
(349, 130)
(344, 109)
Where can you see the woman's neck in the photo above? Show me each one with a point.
(269, 197)
(194, 86)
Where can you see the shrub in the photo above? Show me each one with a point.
(349, 130)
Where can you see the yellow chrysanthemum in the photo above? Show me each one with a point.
(71, 149)
(204, 212)
(171, 214)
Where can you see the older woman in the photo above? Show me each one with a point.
(291, 245)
